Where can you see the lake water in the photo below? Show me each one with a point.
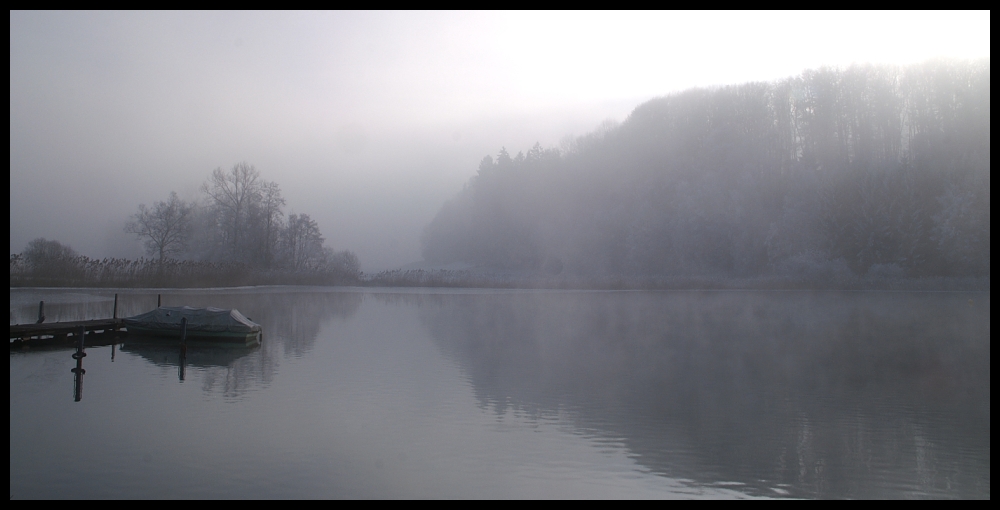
(398, 393)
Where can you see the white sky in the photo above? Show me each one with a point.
(369, 121)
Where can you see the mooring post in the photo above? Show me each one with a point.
(184, 332)
(41, 312)
(114, 311)
(79, 371)
(78, 380)
(158, 301)
(180, 364)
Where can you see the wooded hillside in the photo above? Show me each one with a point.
(869, 170)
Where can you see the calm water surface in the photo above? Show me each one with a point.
(516, 394)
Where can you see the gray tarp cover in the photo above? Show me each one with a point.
(207, 320)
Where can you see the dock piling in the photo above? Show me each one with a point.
(184, 330)
(79, 371)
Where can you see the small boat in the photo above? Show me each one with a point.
(216, 325)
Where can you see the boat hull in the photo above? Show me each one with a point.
(234, 338)
(215, 325)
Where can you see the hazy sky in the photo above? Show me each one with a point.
(370, 120)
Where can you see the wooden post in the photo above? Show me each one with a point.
(158, 301)
(114, 311)
(41, 312)
(184, 332)
(79, 371)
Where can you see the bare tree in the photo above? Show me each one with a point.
(344, 263)
(165, 227)
(51, 259)
(302, 241)
(233, 193)
(267, 214)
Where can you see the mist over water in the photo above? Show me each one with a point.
(471, 393)
(369, 121)
(380, 190)
(798, 392)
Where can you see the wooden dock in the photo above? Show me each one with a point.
(63, 329)
(58, 332)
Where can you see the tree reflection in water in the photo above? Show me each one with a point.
(826, 394)
(771, 390)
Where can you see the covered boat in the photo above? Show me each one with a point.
(203, 324)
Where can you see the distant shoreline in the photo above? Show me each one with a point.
(466, 279)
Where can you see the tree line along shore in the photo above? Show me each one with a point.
(858, 178)
(864, 173)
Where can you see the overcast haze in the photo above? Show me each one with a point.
(370, 121)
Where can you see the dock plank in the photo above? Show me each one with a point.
(62, 328)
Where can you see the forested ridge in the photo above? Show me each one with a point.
(865, 171)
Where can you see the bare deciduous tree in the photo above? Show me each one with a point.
(302, 241)
(51, 259)
(232, 193)
(164, 227)
(267, 215)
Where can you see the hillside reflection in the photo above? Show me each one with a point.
(778, 393)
